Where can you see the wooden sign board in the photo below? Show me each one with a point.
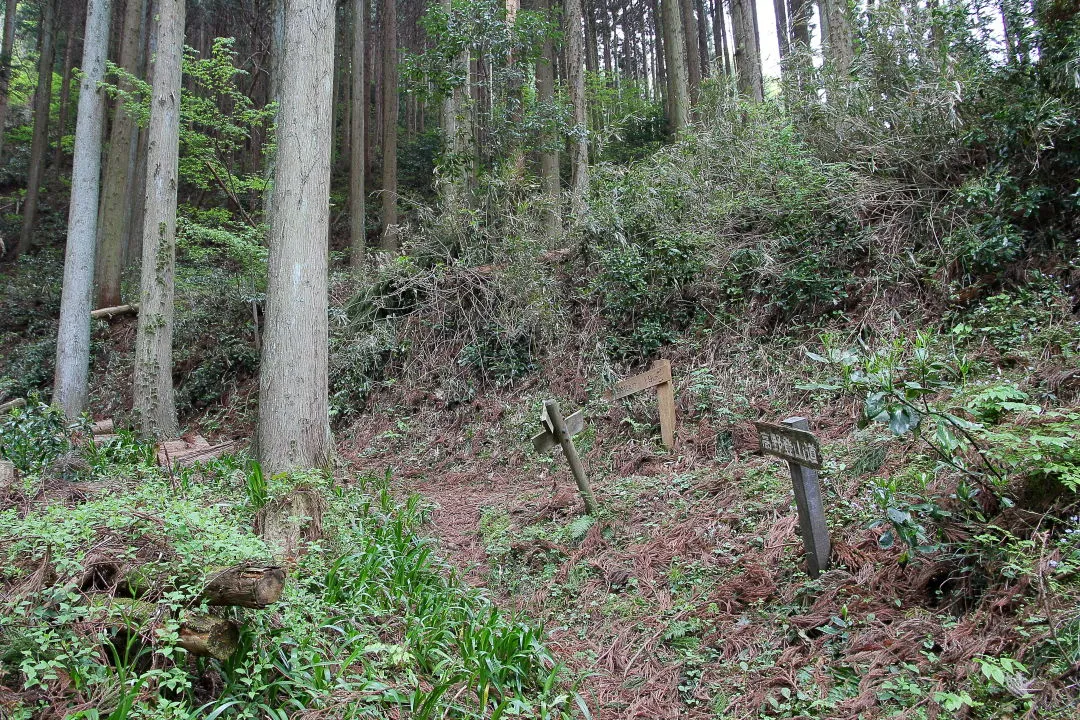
(794, 442)
(659, 377)
(789, 443)
(546, 440)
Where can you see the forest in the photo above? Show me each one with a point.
(486, 359)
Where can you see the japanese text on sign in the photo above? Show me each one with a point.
(798, 446)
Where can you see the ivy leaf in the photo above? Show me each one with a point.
(902, 419)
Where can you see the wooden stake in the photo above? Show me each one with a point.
(815, 531)
(558, 429)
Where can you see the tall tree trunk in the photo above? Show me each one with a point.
(592, 45)
(605, 35)
(293, 428)
(390, 109)
(153, 402)
(660, 43)
(6, 47)
(118, 189)
(747, 49)
(836, 34)
(549, 153)
(357, 190)
(579, 144)
(703, 36)
(800, 13)
(798, 61)
(42, 100)
(723, 59)
(675, 59)
(783, 31)
(457, 130)
(133, 241)
(693, 55)
(70, 384)
(65, 90)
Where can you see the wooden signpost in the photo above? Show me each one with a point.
(556, 430)
(794, 442)
(659, 377)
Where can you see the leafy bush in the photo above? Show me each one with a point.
(740, 210)
(33, 436)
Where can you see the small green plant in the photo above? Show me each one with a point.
(256, 486)
(33, 436)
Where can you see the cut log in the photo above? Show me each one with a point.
(251, 586)
(202, 635)
(209, 636)
(109, 313)
(185, 452)
(102, 427)
(202, 453)
(12, 404)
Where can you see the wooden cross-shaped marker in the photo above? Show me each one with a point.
(659, 377)
(556, 430)
(794, 442)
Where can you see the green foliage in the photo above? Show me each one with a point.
(369, 615)
(741, 211)
(512, 118)
(218, 121)
(33, 436)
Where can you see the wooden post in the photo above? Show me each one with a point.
(658, 376)
(815, 531)
(665, 402)
(558, 429)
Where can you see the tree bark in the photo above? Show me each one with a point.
(723, 59)
(153, 403)
(592, 49)
(703, 37)
(6, 47)
(675, 59)
(836, 33)
(40, 141)
(118, 189)
(202, 635)
(358, 131)
(579, 144)
(390, 108)
(293, 428)
(456, 133)
(73, 338)
(65, 91)
(783, 32)
(549, 153)
(693, 55)
(605, 34)
(747, 49)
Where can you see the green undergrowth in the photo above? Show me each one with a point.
(372, 623)
(952, 499)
